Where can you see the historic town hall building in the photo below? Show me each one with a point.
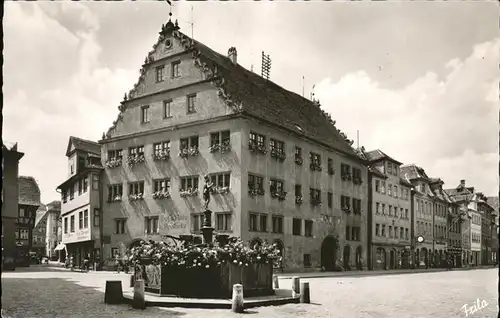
(282, 171)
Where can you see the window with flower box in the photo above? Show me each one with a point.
(191, 104)
(161, 188)
(220, 141)
(189, 146)
(345, 172)
(167, 109)
(277, 189)
(298, 156)
(72, 224)
(331, 169)
(298, 194)
(255, 185)
(315, 161)
(161, 150)
(315, 196)
(345, 203)
(277, 224)
(120, 226)
(197, 220)
(115, 192)
(257, 143)
(221, 182)
(136, 190)
(277, 148)
(115, 158)
(189, 186)
(151, 224)
(223, 222)
(356, 206)
(308, 228)
(135, 155)
(297, 226)
(356, 176)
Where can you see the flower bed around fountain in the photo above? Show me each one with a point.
(205, 271)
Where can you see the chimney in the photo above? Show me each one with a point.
(462, 183)
(233, 55)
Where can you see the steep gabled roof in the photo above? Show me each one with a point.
(377, 154)
(84, 145)
(29, 192)
(413, 172)
(405, 182)
(250, 94)
(40, 213)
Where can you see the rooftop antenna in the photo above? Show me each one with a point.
(312, 92)
(192, 23)
(266, 66)
(303, 78)
(357, 137)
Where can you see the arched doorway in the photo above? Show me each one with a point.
(328, 253)
(380, 258)
(359, 261)
(347, 257)
(281, 247)
(392, 259)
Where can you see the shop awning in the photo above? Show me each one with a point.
(60, 246)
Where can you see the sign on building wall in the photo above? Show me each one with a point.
(77, 236)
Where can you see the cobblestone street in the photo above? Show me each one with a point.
(45, 292)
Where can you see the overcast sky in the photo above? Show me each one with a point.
(419, 80)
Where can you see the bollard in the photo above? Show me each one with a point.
(237, 305)
(295, 286)
(132, 280)
(304, 293)
(276, 282)
(113, 293)
(139, 301)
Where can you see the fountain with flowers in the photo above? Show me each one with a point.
(207, 270)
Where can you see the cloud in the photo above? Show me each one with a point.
(447, 126)
(62, 92)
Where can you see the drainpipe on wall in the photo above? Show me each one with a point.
(369, 223)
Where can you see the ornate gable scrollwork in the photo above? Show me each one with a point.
(333, 122)
(208, 67)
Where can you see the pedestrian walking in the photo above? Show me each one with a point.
(117, 263)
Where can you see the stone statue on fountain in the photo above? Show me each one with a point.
(207, 224)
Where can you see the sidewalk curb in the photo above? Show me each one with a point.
(358, 274)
